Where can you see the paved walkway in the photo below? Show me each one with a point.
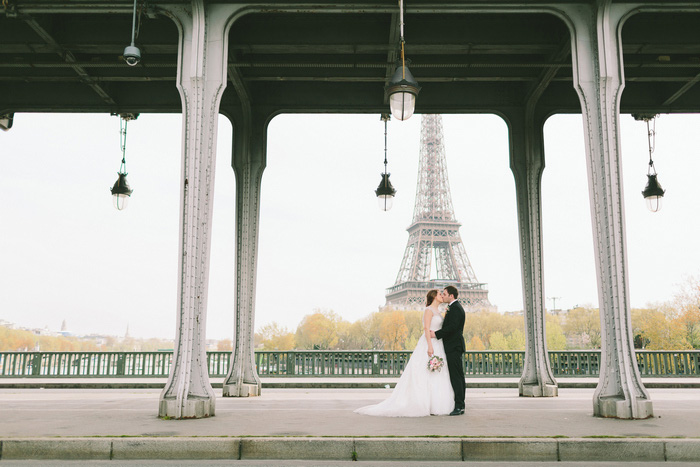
(281, 416)
(329, 412)
(317, 383)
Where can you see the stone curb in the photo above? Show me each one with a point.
(361, 449)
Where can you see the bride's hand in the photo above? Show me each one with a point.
(430, 352)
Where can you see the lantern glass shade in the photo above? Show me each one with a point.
(120, 201)
(121, 192)
(402, 91)
(653, 194)
(402, 105)
(654, 203)
(386, 202)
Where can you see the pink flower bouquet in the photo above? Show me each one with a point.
(435, 363)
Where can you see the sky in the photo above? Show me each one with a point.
(68, 254)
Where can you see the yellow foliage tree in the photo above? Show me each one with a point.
(584, 323)
(318, 331)
(475, 343)
(393, 330)
(516, 340)
(275, 337)
(656, 331)
(224, 345)
(556, 340)
(687, 304)
(497, 341)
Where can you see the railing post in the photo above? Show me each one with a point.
(36, 364)
(121, 364)
(291, 363)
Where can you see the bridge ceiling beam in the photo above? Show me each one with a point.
(68, 58)
(337, 62)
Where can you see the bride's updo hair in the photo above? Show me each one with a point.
(430, 297)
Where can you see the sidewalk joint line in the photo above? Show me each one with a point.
(665, 456)
(558, 450)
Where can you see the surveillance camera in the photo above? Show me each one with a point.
(132, 55)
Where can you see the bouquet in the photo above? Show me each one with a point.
(435, 363)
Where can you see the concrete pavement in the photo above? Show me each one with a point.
(320, 424)
(336, 382)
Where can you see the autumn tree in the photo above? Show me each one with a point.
(318, 331)
(393, 330)
(497, 341)
(687, 306)
(658, 330)
(584, 323)
(356, 336)
(372, 324)
(475, 343)
(483, 324)
(516, 340)
(224, 345)
(556, 340)
(275, 337)
(414, 324)
(17, 340)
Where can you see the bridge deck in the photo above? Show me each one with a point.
(495, 412)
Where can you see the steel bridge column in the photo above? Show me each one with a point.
(200, 81)
(599, 80)
(249, 158)
(527, 164)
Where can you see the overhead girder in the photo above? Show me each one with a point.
(337, 62)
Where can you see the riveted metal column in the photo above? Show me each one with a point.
(599, 80)
(527, 164)
(200, 80)
(250, 136)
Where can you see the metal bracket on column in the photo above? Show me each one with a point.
(598, 80)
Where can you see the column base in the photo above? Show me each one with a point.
(535, 390)
(242, 390)
(618, 407)
(192, 407)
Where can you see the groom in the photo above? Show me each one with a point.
(452, 339)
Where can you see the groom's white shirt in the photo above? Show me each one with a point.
(450, 304)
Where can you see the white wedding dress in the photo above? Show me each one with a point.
(419, 392)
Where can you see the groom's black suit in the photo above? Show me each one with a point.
(453, 341)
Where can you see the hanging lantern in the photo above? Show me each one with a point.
(403, 88)
(385, 192)
(402, 91)
(653, 193)
(121, 192)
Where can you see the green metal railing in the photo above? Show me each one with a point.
(300, 363)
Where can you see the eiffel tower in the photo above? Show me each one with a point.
(433, 236)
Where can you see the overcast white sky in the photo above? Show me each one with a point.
(68, 254)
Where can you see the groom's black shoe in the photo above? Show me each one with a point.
(457, 412)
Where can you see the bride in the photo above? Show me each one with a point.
(420, 392)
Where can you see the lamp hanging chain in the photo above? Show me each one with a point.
(651, 135)
(385, 161)
(122, 141)
(403, 59)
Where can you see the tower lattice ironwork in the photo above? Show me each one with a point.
(434, 239)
